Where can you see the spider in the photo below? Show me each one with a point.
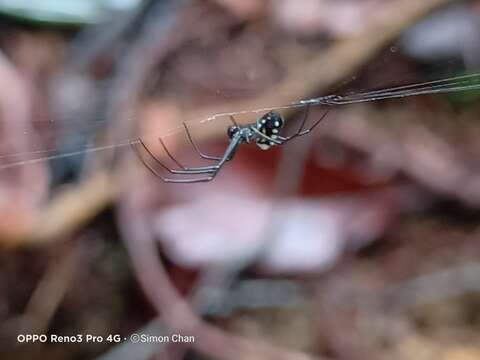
(265, 132)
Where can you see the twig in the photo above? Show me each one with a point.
(48, 294)
(434, 287)
(67, 211)
(51, 289)
(175, 311)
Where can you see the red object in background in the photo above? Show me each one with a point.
(238, 216)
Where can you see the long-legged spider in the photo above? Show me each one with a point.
(265, 132)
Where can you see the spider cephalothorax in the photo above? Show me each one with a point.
(232, 130)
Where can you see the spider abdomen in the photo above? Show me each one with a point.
(269, 125)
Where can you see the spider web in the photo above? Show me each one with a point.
(23, 158)
(445, 85)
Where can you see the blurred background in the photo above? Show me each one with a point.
(358, 241)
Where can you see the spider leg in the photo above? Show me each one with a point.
(169, 154)
(228, 155)
(300, 128)
(305, 132)
(184, 171)
(232, 119)
(164, 179)
(210, 170)
(304, 120)
(302, 132)
(229, 152)
(197, 149)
